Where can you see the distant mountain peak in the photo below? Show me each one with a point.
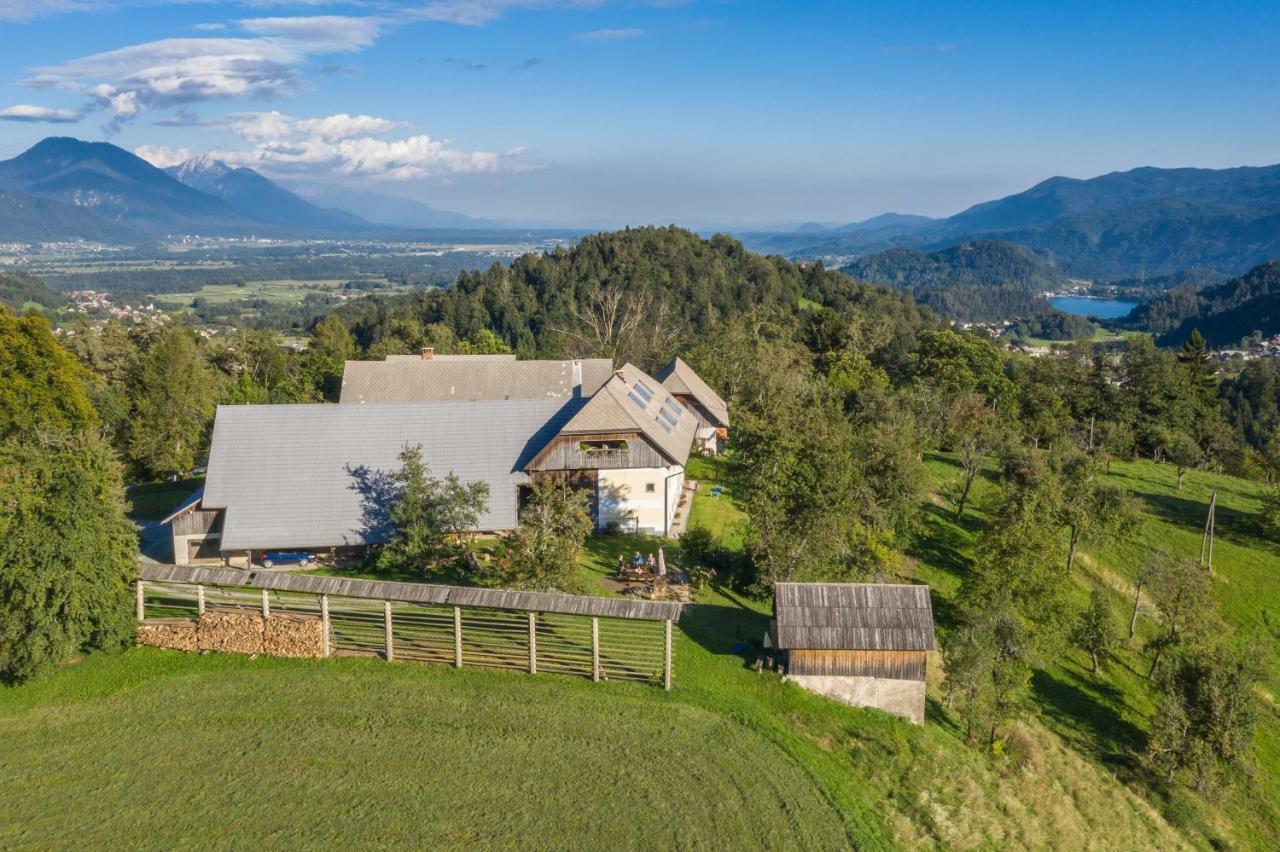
(205, 165)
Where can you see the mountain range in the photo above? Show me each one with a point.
(63, 188)
(1140, 223)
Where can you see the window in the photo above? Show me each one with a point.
(643, 389)
(650, 488)
(635, 397)
(674, 406)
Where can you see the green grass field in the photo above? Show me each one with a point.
(279, 292)
(155, 749)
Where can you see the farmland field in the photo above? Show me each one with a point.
(278, 292)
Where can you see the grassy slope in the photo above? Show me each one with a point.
(363, 751)
(1105, 719)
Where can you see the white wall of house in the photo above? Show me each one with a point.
(639, 498)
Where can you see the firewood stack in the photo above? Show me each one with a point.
(238, 632)
(176, 633)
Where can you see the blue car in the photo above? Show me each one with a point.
(272, 558)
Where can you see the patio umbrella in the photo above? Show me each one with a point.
(662, 564)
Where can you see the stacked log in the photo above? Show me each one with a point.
(293, 636)
(238, 632)
(176, 633)
(230, 632)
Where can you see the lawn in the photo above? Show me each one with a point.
(719, 515)
(156, 749)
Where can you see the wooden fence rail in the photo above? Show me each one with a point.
(599, 638)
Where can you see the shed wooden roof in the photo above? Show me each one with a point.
(426, 593)
(853, 616)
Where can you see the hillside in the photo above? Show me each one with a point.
(28, 219)
(258, 198)
(982, 280)
(802, 771)
(1141, 223)
(18, 290)
(1224, 313)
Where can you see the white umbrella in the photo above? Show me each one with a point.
(662, 564)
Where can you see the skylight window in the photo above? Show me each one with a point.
(643, 389)
(674, 406)
(667, 415)
(666, 427)
(637, 399)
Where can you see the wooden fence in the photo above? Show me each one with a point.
(600, 638)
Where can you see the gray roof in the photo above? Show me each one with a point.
(436, 356)
(311, 475)
(853, 616)
(414, 379)
(420, 592)
(679, 378)
(633, 401)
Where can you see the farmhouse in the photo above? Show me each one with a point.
(317, 477)
(864, 644)
(692, 392)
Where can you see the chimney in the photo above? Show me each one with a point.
(428, 352)
(577, 378)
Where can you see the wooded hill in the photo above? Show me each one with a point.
(18, 290)
(980, 280)
(1224, 314)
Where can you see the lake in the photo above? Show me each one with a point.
(1087, 307)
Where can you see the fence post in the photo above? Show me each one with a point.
(533, 643)
(595, 649)
(199, 599)
(324, 625)
(266, 605)
(666, 657)
(386, 621)
(141, 600)
(457, 637)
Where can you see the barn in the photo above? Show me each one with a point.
(864, 644)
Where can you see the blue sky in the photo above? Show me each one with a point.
(705, 113)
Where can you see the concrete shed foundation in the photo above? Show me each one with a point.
(903, 698)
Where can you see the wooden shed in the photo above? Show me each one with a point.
(864, 644)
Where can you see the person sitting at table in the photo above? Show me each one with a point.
(652, 563)
(637, 561)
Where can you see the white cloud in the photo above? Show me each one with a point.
(26, 10)
(177, 71)
(611, 35)
(321, 33)
(31, 112)
(162, 156)
(353, 145)
(479, 12)
(209, 28)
